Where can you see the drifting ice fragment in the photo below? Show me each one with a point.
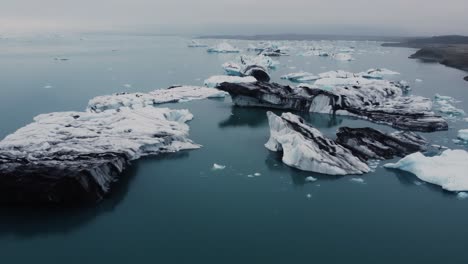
(449, 170)
(218, 167)
(223, 48)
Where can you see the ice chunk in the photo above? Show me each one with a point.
(223, 47)
(195, 44)
(214, 81)
(232, 69)
(445, 105)
(357, 180)
(300, 77)
(448, 170)
(343, 57)
(305, 148)
(160, 96)
(310, 179)
(462, 195)
(463, 134)
(377, 73)
(218, 167)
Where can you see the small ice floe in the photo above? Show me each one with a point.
(309, 196)
(418, 80)
(462, 195)
(310, 179)
(373, 164)
(463, 134)
(257, 174)
(127, 85)
(447, 170)
(195, 44)
(223, 48)
(61, 59)
(445, 105)
(377, 74)
(418, 183)
(357, 180)
(218, 167)
(47, 87)
(300, 77)
(343, 57)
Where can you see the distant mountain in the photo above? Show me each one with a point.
(305, 37)
(424, 42)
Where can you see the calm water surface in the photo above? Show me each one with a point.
(175, 209)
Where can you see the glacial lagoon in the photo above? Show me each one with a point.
(175, 208)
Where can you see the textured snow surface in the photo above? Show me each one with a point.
(138, 100)
(131, 132)
(214, 81)
(223, 47)
(305, 148)
(449, 170)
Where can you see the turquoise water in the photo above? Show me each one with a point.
(175, 209)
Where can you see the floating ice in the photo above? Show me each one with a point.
(218, 167)
(449, 170)
(305, 148)
(223, 47)
(47, 86)
(357, 180)
(257, 174)
(75, 156)
(214, 81)
(418, 80)
(377, 73)
(445, 105)
(462, 195)
(343, 57)
(195, 44)
(232, 69)
(310, 179)
(160, 96)
(300, 77)
(463, 134)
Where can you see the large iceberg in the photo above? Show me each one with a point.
(305, 148)
(223, 47)
(257, 67)
(74, 157)
(377, 101)
(160, 96)
(448, 170)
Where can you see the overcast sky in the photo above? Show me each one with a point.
(409, 17)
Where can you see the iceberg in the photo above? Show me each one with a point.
(305, 148)
(378, 101)
(232, 69)
(217, 80)
(74, 157)
(448, 170)
(300, 77)
(463, 134)
(223, 47)
(377, 73)
(445, 106)
(343, 57)
(195, 44)
(137, 100)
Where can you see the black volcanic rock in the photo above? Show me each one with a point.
(368, 143)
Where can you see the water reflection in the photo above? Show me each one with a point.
(410, 180)
(256, 117)
(298, 177)
(29, 222)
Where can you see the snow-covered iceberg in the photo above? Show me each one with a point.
(223, 47)
(74, 157)
(445, 105)
(215, 81)
(232, 69)
(300, 77)
(160, 96)
(377, 73)
(305, 148)
(381, 102)
(448, 170)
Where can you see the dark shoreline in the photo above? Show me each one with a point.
(451, 51)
